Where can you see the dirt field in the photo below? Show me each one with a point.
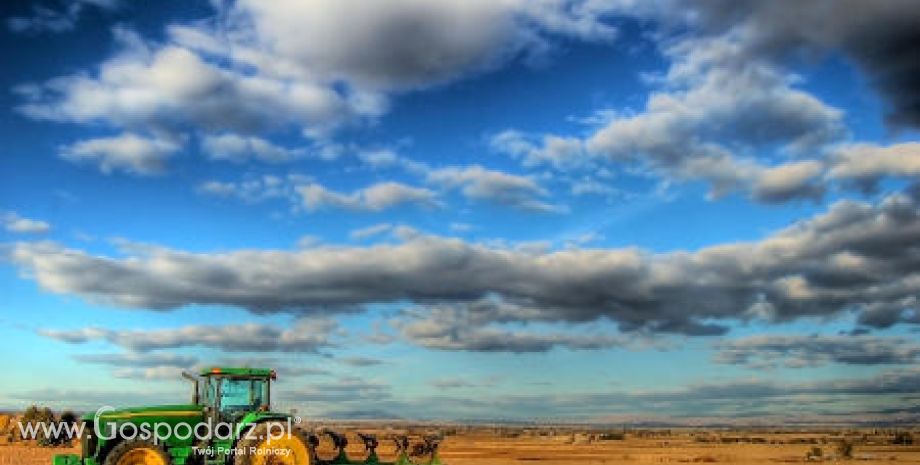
(488, 448)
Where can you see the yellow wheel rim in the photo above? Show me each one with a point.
(141, 456)
(288, 450)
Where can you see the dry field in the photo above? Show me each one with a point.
(491, 447)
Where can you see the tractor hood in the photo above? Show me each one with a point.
(164, 412)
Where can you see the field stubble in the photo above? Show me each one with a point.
(478, 447)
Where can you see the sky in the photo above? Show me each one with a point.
(612, 211)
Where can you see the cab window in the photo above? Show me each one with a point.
(241, 394)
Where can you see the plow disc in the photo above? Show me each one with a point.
(329, 448)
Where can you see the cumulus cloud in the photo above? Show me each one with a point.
(126, 152)
(866, 164)
(305, 194)
(794, 180)
(478, 183)
(810, 351)
(258, 188)
(879, 37)
(379, 159)
(474, 327)
(728, 105)
(14, 223)
(172, 88)
(307, 335)
(52, 20)
(728, 96)
(856, 257)
(560, 152)
(407, 44)
(714, 116)
(374, 198)
(717, 107)
(238, 149)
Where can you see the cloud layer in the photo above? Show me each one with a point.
(309, 335)
(809, 351)
(856, 257)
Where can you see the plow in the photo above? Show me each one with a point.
(229, 421)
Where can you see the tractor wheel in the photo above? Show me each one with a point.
(138, 452)
(259, 449)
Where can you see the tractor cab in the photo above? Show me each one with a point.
(229, 393)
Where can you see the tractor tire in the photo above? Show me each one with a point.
(138, 452)
(257, 448)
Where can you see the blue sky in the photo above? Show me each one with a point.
(566, 210)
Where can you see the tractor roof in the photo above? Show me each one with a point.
(260, 372)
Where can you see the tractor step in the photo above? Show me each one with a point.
(66, 459)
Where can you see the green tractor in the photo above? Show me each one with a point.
(228, 422)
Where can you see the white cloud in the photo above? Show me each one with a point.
(379, 159)
(374, 198)
(472, 327)
(12, 222)
(127, 152)
(405, 44)
(151, 373)
(46, 19)
(257, 188)
(308, 241)
(878, 37)
(370, 231)
(306, 335)
(172, 87)
(716, 107)
(794, 180)
(305, 194)
(478, 183)
(720, 117)
(138, 360)
(867, 163)
(238, 149)
(588, 185)
(461, 227)
(559, 152)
